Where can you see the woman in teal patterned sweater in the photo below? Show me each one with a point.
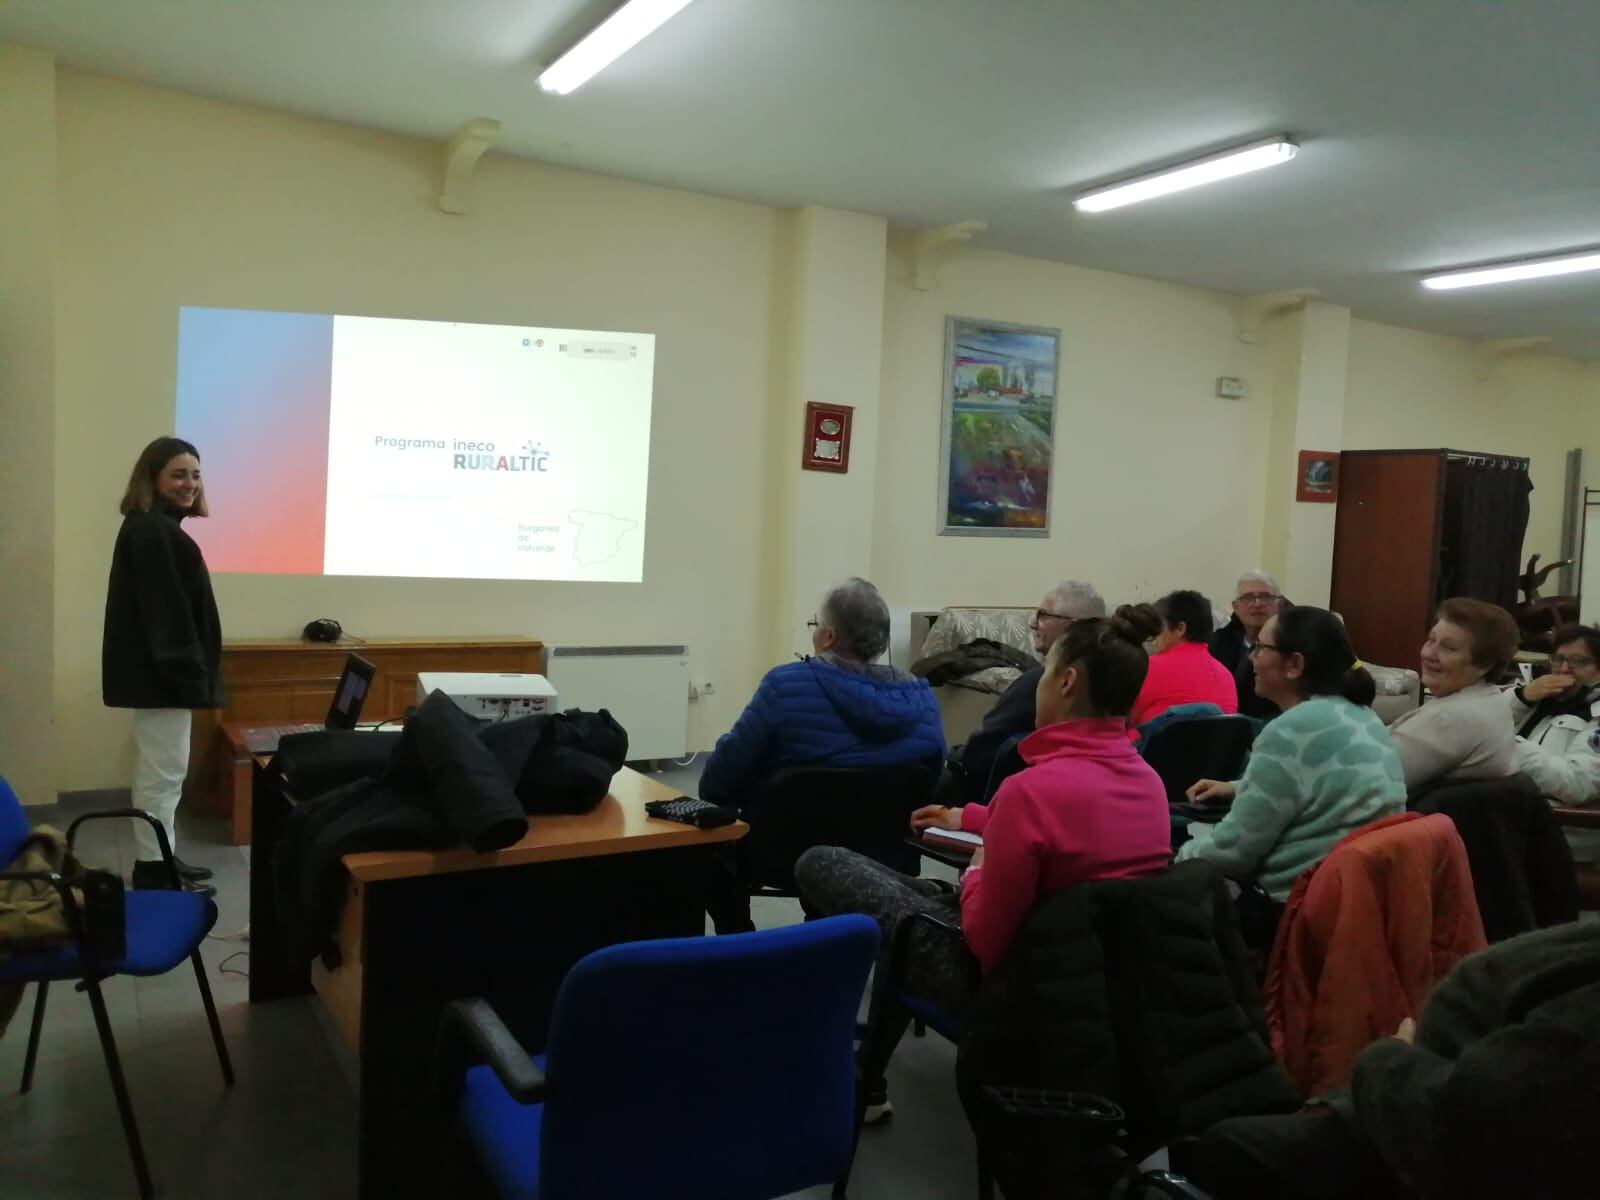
(1321, 770)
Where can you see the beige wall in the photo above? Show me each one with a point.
(168, 200)
(164, 200)
(1409, 390)
(1157, 483)
(27, 418)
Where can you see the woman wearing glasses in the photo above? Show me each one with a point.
(1323, 769)
(1558, 738)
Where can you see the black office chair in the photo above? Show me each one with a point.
(865, 809)
(1093, 1128)
(1522, 868)
(1196, 748)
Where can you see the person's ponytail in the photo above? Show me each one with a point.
(1136, 623)
(1111, 651)
(1358, 686)
(1331, 667)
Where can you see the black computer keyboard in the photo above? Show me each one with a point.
(702, 814)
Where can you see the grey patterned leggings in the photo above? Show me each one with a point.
(939, 968)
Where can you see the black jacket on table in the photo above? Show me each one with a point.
(1231, 648)
(445, 780)
(1138, 990)
(162, 646)
(442, 786)
(1011, 716)
(1497, 1097)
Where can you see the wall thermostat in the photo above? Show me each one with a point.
(1230, 387)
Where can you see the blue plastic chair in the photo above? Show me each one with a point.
(161, 929)
(728, 1061)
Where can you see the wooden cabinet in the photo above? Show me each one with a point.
(1386, 550)
(286, 680)
(1415, 527)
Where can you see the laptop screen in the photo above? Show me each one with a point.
(351, 693)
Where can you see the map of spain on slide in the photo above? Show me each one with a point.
(599, 536)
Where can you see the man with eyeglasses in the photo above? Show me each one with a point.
(1256, 600)
(1012, 714)
(1558, 727)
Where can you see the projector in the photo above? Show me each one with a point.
(489, 694)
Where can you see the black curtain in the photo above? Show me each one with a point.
(1485, 518)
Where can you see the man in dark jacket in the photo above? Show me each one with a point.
(1012, 714)
(1256, 600)
(1490, 1095)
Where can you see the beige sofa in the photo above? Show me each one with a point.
(962, 704)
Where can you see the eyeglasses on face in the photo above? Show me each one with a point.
(1579, 661)
(1040, 616)
(1257, 598)
(1256, 647)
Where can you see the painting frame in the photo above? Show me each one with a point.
(987, 488)
(1316, 477)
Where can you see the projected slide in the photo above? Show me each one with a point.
(334, 445)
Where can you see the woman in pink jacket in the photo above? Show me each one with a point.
(1086, 807)
(1182, 670)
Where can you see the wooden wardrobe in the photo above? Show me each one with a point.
(1407, 522)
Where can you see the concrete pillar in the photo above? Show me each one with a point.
(27, 418)
(833, 337)
(1308, 414)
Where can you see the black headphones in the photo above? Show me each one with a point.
(323, 629)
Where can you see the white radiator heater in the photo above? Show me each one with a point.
(646, 689)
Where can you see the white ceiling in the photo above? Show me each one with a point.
(1434, 132)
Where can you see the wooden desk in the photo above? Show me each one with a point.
(281, 681)
(422, 928)
(619, 825)
(1575, 817)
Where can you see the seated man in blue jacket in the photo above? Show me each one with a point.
(837, 708)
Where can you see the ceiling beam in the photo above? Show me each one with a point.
(931, 247)
(1254, 310)
(1490, 352)
(461, 155)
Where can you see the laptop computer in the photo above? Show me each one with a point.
(343, 713)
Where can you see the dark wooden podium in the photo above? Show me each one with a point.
(275, 681)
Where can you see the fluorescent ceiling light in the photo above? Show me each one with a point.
(619, 33)
(1239, 161)
(1566, 264)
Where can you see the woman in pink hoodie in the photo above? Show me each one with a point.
(1086, 807)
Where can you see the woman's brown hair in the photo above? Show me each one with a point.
(1494, 635)
(1111, 651)
(141, 494)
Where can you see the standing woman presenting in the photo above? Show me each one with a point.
(162, 652)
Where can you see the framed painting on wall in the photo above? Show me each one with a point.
(997, 441)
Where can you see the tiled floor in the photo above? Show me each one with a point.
(288, 1128)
